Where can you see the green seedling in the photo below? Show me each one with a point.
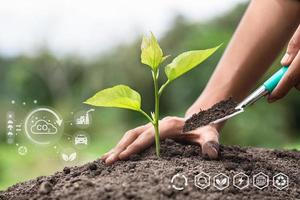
(122, 96)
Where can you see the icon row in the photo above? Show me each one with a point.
(222, 181)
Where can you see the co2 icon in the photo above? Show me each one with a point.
(43, 126)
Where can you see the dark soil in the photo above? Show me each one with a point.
(145, 176)
(204, 117)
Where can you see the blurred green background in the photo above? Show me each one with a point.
(64, 82)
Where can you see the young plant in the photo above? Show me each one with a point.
(122, 96)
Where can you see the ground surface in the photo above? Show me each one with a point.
(146, 177)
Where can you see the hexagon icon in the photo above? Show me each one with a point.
(202, 180)
(280, 181)
(221, 181)
(261, 180)
(241, 180)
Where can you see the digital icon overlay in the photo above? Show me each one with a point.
(83, 118)
(22, 150)
(68, 155)
(280, 181)
(241, 180)
(179, 182)
(10, 127)
(202, 180)
(43, 126)
(261, 180)
(81, 140)
(25, 122)
(221, 181)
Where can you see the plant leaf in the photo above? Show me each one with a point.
(151, 55)
(187, 61)
(120, 96)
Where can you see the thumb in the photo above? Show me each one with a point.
(292, 48)
(209, 141)
(210, 149)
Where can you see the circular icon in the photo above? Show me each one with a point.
(179, 182)
(22, 150)
(83, 119)
(81, 140)
(43, 126)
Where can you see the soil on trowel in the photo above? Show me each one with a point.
(147, 177)
(204, 117)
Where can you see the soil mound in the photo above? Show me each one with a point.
(145, 176)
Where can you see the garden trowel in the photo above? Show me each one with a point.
(260, 92)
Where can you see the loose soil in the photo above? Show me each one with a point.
(145, 176)
(204, 117)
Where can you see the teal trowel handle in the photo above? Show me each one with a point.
(272, 82)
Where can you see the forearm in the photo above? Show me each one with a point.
(261, 34)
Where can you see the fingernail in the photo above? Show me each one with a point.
(211, 150)
(215, 145)
(122, 156)
(109, 160)
(286, 59)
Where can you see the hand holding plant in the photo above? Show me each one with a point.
(122, 96)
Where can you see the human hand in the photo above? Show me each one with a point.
(292, 77)
(142, 137)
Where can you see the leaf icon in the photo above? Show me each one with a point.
(223, 181)
(72, 156)
(65, 157)
(218, 181)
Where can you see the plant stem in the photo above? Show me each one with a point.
(156, 113)
(163, 87)
(147, 116)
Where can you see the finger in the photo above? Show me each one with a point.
(145, 140)
(104, 156)
(209, 141)
(169, 127)
(289, 80)
(211, 149)
(292, 49)
(127, 139)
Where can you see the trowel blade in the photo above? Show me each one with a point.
(238, 111)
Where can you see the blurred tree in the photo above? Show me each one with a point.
(65, 82)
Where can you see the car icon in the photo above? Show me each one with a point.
(81, 139)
